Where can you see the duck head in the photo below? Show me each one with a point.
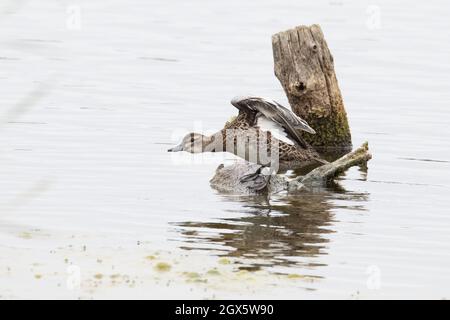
(193, 143)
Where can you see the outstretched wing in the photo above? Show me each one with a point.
(268, 111)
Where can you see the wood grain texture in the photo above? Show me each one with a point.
(304, 66)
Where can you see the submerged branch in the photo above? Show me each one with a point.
(227, 179)
(328, 171)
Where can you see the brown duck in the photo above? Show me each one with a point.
(264, 132)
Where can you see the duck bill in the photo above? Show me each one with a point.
(176, 148)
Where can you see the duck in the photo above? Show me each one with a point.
(265, 133)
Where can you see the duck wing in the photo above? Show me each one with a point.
(272, 115)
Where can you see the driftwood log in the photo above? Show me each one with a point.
(227, 179)
(304, 66)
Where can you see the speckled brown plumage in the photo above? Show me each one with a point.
(244, 127)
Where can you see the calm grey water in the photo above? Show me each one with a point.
(89, 107)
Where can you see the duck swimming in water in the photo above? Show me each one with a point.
(264, 132)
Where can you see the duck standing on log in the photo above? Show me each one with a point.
(264, 132)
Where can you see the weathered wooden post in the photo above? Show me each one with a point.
(304, 65)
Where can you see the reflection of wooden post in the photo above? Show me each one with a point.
(304, 66)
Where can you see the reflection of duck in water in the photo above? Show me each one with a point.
(264, 132)
(292, 231)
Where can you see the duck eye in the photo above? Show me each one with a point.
(314, 47)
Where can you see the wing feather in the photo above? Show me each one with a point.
(289, 121)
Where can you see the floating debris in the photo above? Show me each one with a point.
(25, 235)
(163, 267)
(191, 275)
(213, 272)
(224, 261)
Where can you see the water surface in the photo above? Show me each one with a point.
(88, 113)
